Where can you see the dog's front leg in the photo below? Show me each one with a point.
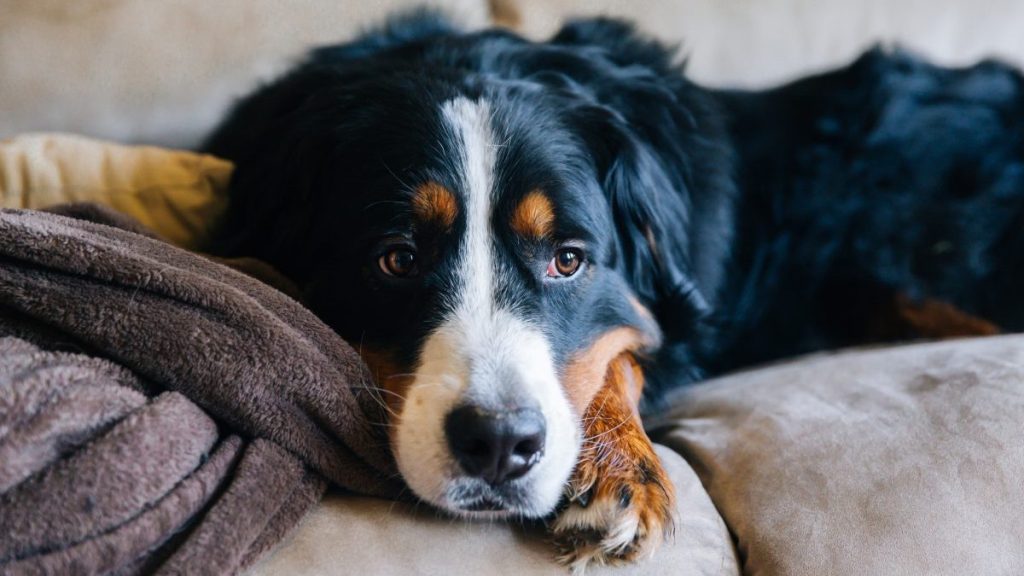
(620, 502)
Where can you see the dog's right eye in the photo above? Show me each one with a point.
(567, 261)
(398, 262)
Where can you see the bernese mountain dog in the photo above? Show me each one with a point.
(529, 242)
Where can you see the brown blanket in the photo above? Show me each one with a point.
(160, 411)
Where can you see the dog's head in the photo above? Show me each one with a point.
(490, 222)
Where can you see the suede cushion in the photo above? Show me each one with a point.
(163, 72)
(747, 43)
(177, 194)
(139, 71)
(895, 461)
(348, 535)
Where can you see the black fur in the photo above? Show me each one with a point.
(888, 176)
(755, 225)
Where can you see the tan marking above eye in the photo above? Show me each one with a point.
(435, 204)
(534, 217)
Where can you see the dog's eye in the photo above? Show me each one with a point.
(398, 262)
(567, 261)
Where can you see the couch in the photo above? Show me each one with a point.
(901, 460)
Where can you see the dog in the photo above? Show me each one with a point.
(531, 242)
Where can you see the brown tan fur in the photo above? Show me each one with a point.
(937, 319)
(618, 475)
(585, 374)
(391, 377)
(534, 217)
(435, 205)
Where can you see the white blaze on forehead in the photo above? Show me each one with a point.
(481, 353)
(471, 122)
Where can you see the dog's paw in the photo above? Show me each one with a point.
(620, 506)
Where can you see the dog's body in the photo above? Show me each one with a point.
(517, 235)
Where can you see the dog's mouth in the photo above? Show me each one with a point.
(471, 498)
(485, 505)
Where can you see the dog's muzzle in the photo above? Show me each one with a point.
(495, 446)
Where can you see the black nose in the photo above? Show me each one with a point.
(495, 446)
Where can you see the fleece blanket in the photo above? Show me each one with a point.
(159, 411)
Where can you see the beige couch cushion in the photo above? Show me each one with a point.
(162, 72)
(347, 535)
(901, 461)
(754, 43)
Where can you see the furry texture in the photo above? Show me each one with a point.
(889, 177)
(162, 412)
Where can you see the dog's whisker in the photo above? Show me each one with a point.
(610, 430)
(372, 205)
(403, 375)
(385, 391)
(375, 395)
(396, 177)
(398, 499)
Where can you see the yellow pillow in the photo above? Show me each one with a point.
(177, 194)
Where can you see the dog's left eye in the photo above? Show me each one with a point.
(567, 261)
(398, 262)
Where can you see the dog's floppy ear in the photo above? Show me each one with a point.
(416, 25)
(651, 215)
(275, 147)
(285, 94)
(283, 140)
(619, 40)
(652, 212)
(662, 155)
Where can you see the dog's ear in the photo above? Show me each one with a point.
(287, 93)
(619, 40)
(284, 137)
(651, 202)
(275, 149)
(416, 25)
(662, 154)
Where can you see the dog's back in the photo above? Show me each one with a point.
(890, 179)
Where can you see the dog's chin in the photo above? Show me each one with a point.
(473, 499)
